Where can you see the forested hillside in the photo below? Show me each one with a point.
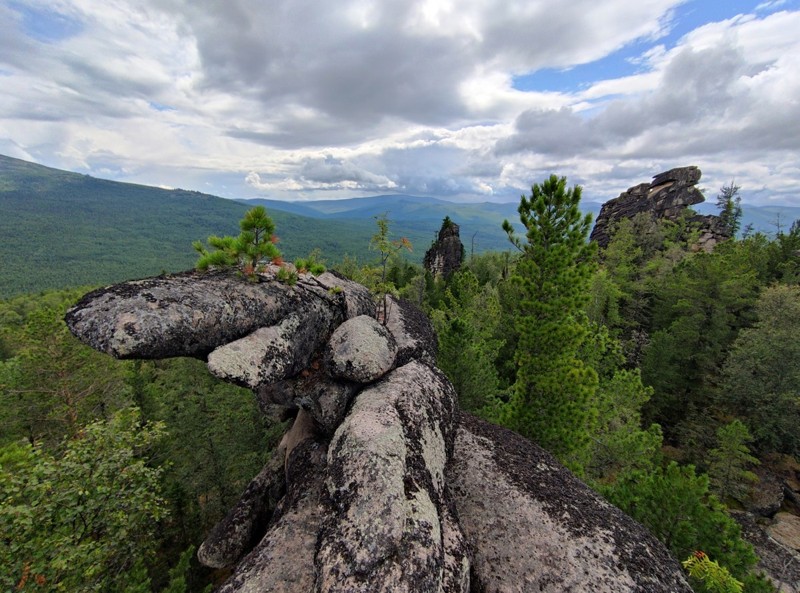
(63, 229)
(663, 375)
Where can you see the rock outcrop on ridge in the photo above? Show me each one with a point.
(380, 484)
(666, 197)
(447, 252)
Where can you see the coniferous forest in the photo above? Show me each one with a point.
(665, 376)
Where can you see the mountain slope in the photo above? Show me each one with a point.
(64, 229)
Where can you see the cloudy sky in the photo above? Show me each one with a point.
(458, 99)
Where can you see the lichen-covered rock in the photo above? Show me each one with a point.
(412, 332)
(776, 560)
(324, 398)
(190, 314)
(393, 444)
(386, 489)
(357, 298)
(361, 350)
(273, 353)
(533, 526)
(283, 562)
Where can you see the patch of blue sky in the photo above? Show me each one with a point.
(626, 61)
(46, 25)
(160, 106)
(615, 65)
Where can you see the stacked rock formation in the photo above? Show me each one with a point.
(447, 252)
(666, 197)
(380, 484)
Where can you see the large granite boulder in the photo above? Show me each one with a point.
(380, 484)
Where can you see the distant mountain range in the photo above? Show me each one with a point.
(480, 224)
(62, 229)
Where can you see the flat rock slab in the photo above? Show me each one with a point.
(188, 314)
(786, 530)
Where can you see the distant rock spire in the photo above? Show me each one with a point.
(445, 255)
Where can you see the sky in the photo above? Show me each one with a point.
(467, 100)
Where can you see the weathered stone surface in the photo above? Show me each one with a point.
(283, 562)
(533, 526)
(766, 495)
(445, 255)
(667, 196)
(786, 530)
(273, 353)
(324, 398)
(412, 332)
(384, 489)
(777, 561)
(393, 444)
(711, 231)
(357, 298)
(188, 314)
(361, 350)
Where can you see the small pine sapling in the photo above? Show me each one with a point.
(288, 276)
(255, 244)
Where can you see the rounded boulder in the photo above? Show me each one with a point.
(361, 350)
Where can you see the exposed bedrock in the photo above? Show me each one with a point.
(666, 197)
(445, 255)
(380, 484)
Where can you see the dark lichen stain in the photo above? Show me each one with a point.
(419, 329)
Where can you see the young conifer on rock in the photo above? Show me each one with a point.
(254, 244)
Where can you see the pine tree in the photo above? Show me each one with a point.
(729, 203)
(467, 327)
(729, 462)
(254, 244)
(551, 399)
(761, 376)
(388, 249)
